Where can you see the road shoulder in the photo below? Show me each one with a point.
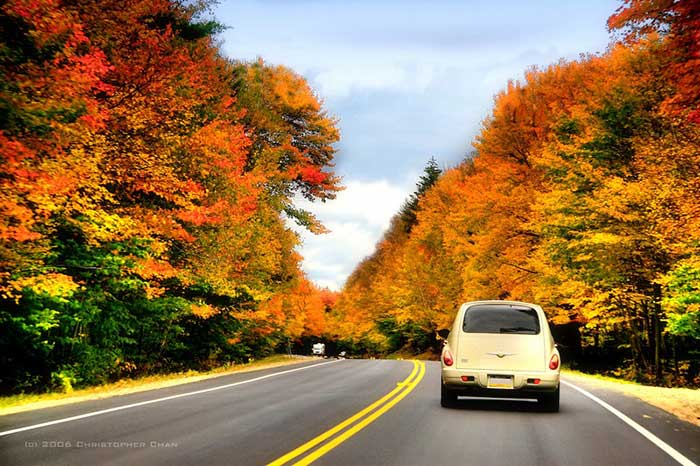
(683, 403)
(127, 387)
(675, 431)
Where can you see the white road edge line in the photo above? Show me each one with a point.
(668, 449)
(157, 400)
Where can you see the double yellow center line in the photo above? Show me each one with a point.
(355, 423)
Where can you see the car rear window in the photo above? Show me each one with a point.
(501, 318)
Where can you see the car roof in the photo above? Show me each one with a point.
(498, 301)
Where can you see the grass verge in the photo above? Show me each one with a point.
(19, 403)
(684, 403)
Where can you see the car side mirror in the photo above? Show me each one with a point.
(443, 333)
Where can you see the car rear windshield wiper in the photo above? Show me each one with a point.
(517, 329)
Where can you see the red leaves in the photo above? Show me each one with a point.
(214, 214)
(94, 121)
(313, 175)
(193, 189)
(128, 136)
(88, 70)
(13, 152)
(200, 216)
(45, 15)
(678, 22)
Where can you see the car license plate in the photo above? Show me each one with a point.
(500, 381)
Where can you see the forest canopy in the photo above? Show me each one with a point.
(582, 195)
(149, 185)
(145, 184)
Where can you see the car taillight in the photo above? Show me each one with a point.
(447, 358)
(554, 362)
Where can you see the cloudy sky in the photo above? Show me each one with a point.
(408, 80)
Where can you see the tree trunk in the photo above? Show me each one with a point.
(676, 372)
(657, 333)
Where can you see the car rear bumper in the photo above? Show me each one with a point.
(525, 383)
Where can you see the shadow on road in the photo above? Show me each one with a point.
(497, 404)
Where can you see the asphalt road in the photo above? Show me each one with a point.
(256, 418)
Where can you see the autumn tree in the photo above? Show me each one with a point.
(581, 196)
(292, 137)
(678, 23)
(143, 191)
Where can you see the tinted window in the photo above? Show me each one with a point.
(501, 318)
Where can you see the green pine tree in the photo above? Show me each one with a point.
(409, 209)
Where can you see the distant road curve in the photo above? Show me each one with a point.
(344, 412)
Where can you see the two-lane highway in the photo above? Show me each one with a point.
(349, 412)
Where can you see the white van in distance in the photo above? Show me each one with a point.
(318, 349)
(501, 349)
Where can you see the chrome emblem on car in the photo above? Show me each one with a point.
(501, 355)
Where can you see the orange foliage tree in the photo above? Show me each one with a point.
(145, 182)
(582, 196)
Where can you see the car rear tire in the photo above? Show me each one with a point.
(550, 401)
(448, 398)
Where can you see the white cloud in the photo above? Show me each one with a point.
(370, 202)
(357, 219)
